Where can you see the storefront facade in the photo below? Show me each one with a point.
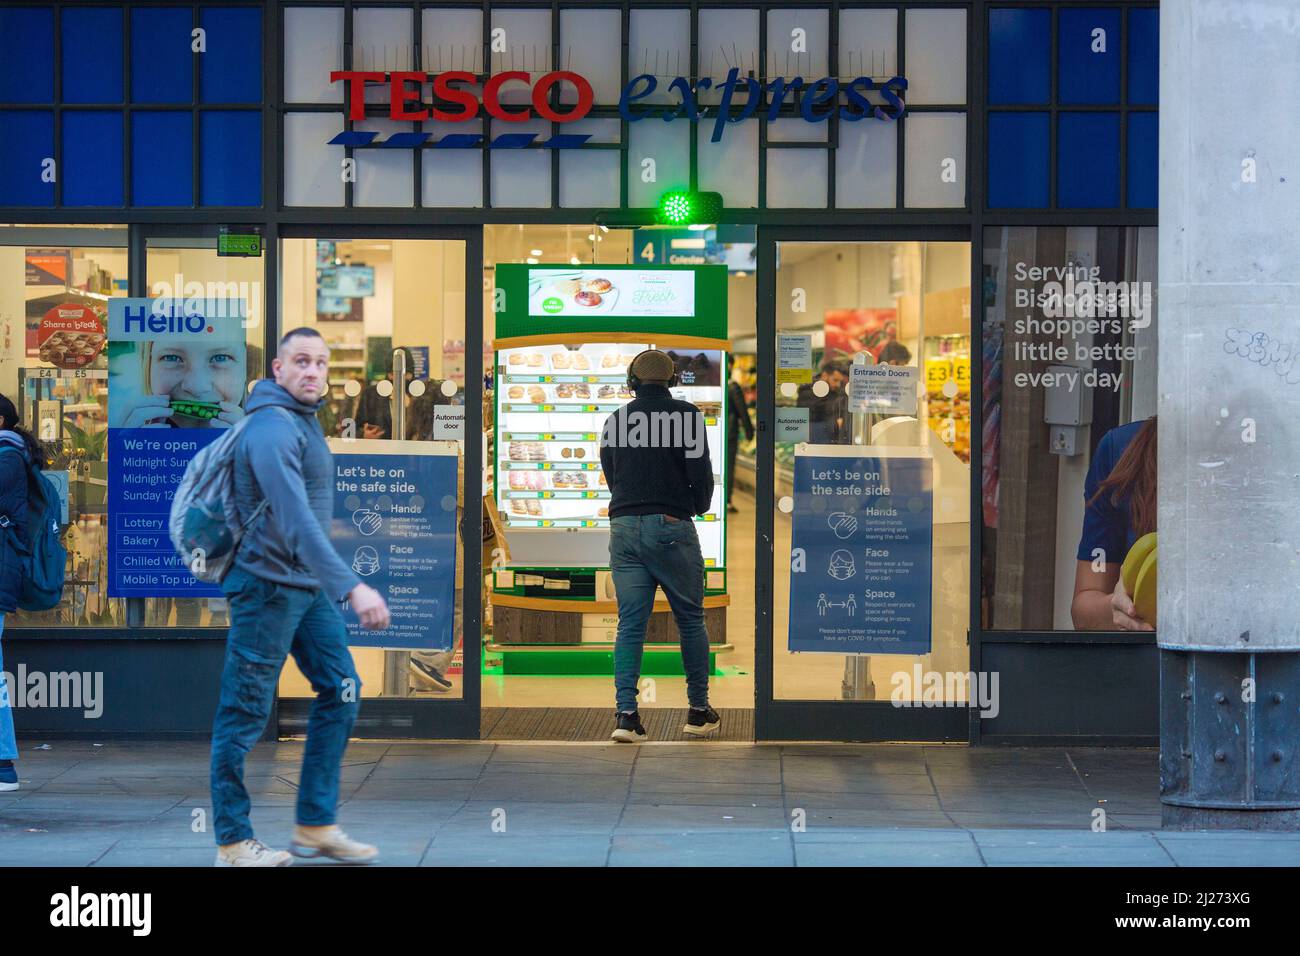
(990, 150)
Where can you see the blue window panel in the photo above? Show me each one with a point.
(1019, 146)
(1020, 55)
(231, 70)
(1143, 147)
(162, 159)
(92, 158)
(230, 144)
(29, 140)
(26, 55)
(92, 55)
(1087, 161)
(162, 64)
(1085, 76)
(1144, 57)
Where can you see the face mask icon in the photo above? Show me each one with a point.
(841, 566)
(366, 561)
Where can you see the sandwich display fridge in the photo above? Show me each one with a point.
(565, 338)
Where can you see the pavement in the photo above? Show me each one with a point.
(501, 804)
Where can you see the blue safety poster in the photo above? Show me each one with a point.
(395, 526)
(860, 564)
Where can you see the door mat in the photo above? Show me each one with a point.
(597, 723)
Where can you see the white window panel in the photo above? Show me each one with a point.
(730, 166)
(796, 178)
(313, 48)
(783, 59)
(792, 130)
(528, 48)
(659, 43)
(452, 40)
(591, 45)
(600, 130)
(728, 38)
(936, 57)
(932, 144)
(868, 43)
(385, 177)
(520, 177)
(452, 177)
(313, 172)
(588, 178)
(669, 146)
(866, 165)
(382, 40)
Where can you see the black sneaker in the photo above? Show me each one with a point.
(427, 676)
(701, 722)
(629, 729)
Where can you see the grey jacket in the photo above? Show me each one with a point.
(284, 459)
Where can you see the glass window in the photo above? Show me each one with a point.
(162, 60)
(658, 159)
(61, 394)
(936, 57)
(397, 356)
(905, 305)
(385, 177)
(383, 41)
(593, 48)
(873, 147)
(312, 170)
(588, 178)
(659, 43)
(452, 177)
(317, 46)
(798, 43)
(521, 177)
(1069, 366)
(92, 158)
(868, 43)
(29, 147)
(934, 172)
(91, 51)
(727, 38)
(796, 178)
(730, 166)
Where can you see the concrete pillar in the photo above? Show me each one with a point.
(1229, 414)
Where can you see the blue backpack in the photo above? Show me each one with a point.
(42, 556)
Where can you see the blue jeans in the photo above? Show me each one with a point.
(8, 742)
(269, 621)
(646, 551)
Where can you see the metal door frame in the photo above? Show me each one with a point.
(820, 720)
(415, 718)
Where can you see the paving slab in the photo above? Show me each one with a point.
(755, 848)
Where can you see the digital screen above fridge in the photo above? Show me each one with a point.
(551, 405)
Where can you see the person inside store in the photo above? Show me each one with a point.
(737, 421)
(895, 353)
(1119, 496)
(655, 459)
(20, 451)
(828, 412)
(373, 414)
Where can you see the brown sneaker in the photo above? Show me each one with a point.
(251, 853)
(332, 844)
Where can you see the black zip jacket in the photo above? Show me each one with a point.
(655, 457)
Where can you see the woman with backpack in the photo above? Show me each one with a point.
(18, 448)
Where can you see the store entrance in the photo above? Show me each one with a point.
(399, 310)
(865, 368)
(551, 617)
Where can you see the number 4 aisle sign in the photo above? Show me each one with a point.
(860, 566)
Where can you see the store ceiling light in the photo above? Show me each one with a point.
(532, 260)
(535, 252)
(574, 261)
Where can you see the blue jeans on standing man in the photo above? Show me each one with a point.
(646, 551)
(269, 621)
(8, 742)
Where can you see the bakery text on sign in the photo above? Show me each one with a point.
(816, 101)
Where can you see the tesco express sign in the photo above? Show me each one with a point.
(457, 101)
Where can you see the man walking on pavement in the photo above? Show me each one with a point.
(284, 590)
(655, 458)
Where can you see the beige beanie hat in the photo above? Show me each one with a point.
(653, 365)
